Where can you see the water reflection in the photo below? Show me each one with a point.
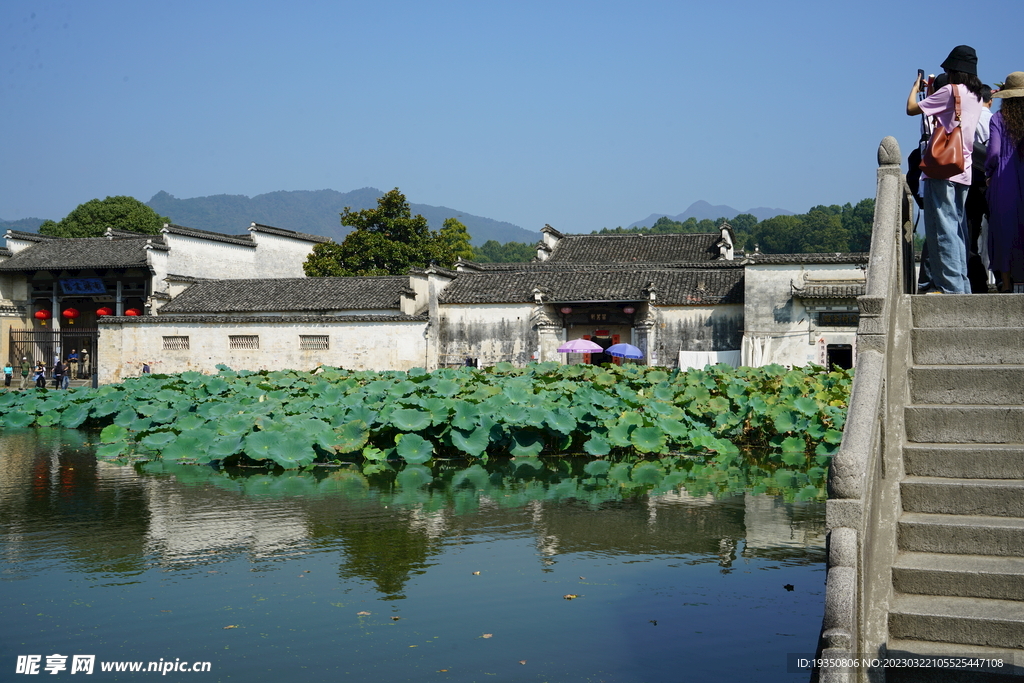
(401, 536)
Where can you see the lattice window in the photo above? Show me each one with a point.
(243, 341)
(314, 342)
(175, 343)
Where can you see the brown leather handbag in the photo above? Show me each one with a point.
(944, 157)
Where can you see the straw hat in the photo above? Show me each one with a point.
(1013, 87)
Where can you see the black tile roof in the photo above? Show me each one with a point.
(29, 236)
(271, 230)
(636, 248)
(290, 294)
(672, 287)
(242, 240)
(831, 291)
(470, 266)
(84, 252)
(851, 257)
(261, 319)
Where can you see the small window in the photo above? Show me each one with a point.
(314, 342)
(244, 341)
(175, 343)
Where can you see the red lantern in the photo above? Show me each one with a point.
(70, 314)
(104, 311)
(43, 315)
(628, 310)
(133, 311)
(566, 310)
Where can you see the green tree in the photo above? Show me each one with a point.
(455, 239)
(92, 218)
(387, 240)
(510, 252)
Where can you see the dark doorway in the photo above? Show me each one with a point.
(839, 356)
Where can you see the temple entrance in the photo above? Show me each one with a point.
(47, 345)
(839, 355)
(604, 339)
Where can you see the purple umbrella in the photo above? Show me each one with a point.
(579, 346)
(624, 351)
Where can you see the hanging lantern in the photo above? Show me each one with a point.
(133, 311)
(70, 314)
(42, 316)
(566, 310)
(628, 310)
(104, 311)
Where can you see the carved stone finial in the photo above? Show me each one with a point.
(889, 152)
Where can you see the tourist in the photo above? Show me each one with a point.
(40, 375)
(977, 203)
(945, 217)
(73, 363)
(58, 374)
(26, 370)
(1005, 170)
(8, 374)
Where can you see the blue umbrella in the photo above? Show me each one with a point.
(624, 351)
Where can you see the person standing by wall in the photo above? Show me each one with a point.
(1005, 170)
(8, 374)
(26, 370)
(945, 218)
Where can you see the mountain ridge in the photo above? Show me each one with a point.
(701, 210)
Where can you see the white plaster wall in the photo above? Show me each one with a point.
(278, 256)
(210, 258)
(124, 347)
(772, 313)
(490, 332)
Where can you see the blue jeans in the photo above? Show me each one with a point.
(945, 234)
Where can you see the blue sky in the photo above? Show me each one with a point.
(578, 114)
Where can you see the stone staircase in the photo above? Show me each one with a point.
(958, 575)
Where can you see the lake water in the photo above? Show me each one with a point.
(457, 573)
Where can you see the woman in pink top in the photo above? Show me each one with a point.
(945, 220)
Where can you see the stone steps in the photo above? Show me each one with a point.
(952, 619)
(961, 534)
(967, 385)
(1003, 424)
(981, 461)
(943, 495)
(967, 576)
(1009, 672)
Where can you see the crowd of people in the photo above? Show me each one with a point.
(61, 372)
(984, 186)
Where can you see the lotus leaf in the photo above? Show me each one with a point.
(439, 409)
(597, 468)
(473, 443)
(47, 419)
(560, 421)
(186, 447)
(112, 433)
(294, 452)
(526, 442)
(648, 439)
(260, 445)
(410, 420)
(618, 434)
(157, 440)
(164, 415)
(786, 421)
(414, 477)
(807, 406)
(515, 415)
(647, 473)
(363, 414)
(465, 415)
(793, 444)
(111, 451)
(413, 448)
(140, 424)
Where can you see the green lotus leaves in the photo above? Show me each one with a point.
(47, 419)
(526, 442)
(473, 443)
(18, 419)
(413, 448)
(410, 420)
(648, 439)
(157, 440)
(186, 448)
(113, 433)
(597, 446)
(793, 444)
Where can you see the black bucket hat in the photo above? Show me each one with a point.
(962, 58)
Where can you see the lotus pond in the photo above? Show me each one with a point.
(632, 569)
(293, 419)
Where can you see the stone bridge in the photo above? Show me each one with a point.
(925, 515)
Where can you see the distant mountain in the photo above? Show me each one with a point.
(701, 210)
(315, 212)
(22, 224)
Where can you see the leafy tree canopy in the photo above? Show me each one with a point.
(509, 252)
(455, 237)
(387, 240)
(92, 218)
